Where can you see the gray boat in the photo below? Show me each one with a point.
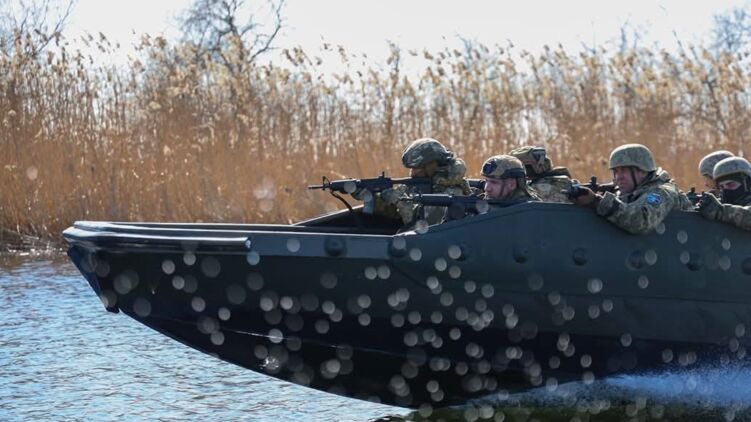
(530, 295)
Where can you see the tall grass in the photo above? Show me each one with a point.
(179, 135)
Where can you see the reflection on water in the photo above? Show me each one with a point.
(62, 357)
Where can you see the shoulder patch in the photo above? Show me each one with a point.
(654, 198)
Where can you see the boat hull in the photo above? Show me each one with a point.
(527, 296)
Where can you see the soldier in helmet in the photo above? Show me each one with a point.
(646, 194)
(425, 157)
(733, 177)
(706, 167)
(505, 179)
(550, 183)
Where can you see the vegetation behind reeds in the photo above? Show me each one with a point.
(183, 135)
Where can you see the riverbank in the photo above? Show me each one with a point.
(14, 243)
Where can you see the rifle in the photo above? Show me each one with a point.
(476, 184)
(576, 189)
(458, 205)
(693, 196)
(372, 186)
(379, 184)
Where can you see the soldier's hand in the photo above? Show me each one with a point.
(362, 194)
(709, 206)
(585, 196)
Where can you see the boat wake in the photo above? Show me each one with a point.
(703, 393)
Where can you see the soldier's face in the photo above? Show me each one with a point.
(622, 177)
(427, 170)
(499, 189)
(729, 185)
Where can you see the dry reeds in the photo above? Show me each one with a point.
(181, 136)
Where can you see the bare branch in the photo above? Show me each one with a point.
(31, 17)
(217, 25)
(732, 30)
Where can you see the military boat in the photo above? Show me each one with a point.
(530, 295)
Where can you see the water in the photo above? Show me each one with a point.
(63, 357)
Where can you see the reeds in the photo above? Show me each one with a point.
(179, 135)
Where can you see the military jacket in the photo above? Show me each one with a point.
(646, 207)
(738, 215)
(522, 194)
(448, 179)
(552, 186)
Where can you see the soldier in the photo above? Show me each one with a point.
(425, 157)
(505, 179)
(548, 182)
(706, 166)
(733, 177)
(646, 194)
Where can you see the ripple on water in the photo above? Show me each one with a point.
(63, 356)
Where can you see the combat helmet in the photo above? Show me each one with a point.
(534, 159)
(633, 155)
(422, 151)
(731, 166)
(503, 167)
(706, 165)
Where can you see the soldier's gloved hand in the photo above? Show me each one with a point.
(362, 194)
(709, 206)
(357, 194)
(585, 197)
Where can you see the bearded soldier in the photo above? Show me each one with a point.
(646, 194)
(425, 157)
(733, 177)
(550, 183)
(505, 179)
(706, 167)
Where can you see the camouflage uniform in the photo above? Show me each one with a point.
(552, 187)
(517, 195)
(550, 184)
(651, 201)
(448, 179)
(738, 211)
(738, 215)
(643, 209)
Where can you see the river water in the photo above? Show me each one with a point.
(63, 357)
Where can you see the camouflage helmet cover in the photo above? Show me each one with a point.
(422, 151)
(632, 155)
(706, 165)
(503, 167)
(731, 166)
(535, 158)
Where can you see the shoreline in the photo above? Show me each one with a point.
(17, 244)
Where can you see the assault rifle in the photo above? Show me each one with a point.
(378, 184)
(370, 186)
(458, 205)
(576, 189)
(693, 196)
(478, 184)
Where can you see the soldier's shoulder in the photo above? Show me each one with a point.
(659, 194)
